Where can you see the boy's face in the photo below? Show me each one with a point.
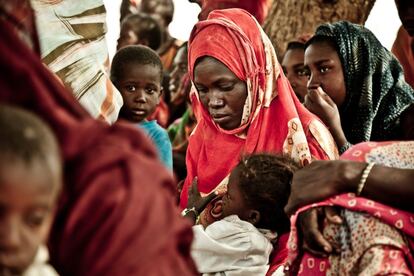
(27, 203)
(180, 69)
(140, 87)
(233, 201)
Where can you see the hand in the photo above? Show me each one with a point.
(196, 200)
(322, 179)
(319, 103)
(309, 228)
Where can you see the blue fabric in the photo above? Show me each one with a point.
(159, 137)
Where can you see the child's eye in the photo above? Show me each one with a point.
(35, 220)
(130, 88)
(302, 72)
(150, 90)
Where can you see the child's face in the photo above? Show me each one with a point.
(233, 201)
(296, 72)
(140, 87)
(325, 69)
(27, 203)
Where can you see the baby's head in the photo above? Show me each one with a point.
(137, 72)
(30, 181)
(258, 190)
(140, 29)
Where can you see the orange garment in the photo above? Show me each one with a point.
(403, 49)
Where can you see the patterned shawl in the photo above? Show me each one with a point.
(274, 120)
(374, 239)
(376, 91)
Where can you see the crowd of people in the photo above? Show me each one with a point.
(204, 157)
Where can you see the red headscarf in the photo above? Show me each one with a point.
(258, 8)
(274, 120)
(117, 213)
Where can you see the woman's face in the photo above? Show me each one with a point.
(221, 92)
(325, 71)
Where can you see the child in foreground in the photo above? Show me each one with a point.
(253, 217)
(30, 181)
(137, 73)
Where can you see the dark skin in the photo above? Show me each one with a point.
(323, 179)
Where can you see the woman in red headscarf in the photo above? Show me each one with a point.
(243, 104)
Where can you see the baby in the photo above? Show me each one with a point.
(30, 181)
(253, 217)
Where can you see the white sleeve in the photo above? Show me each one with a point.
(228, 246)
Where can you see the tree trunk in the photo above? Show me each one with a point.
(289, 19)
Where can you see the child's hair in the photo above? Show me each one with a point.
(295, 45)
(146, 27)
(137, 55)
(265, 181)
(25, 138)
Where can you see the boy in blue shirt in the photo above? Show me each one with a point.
(137, 73)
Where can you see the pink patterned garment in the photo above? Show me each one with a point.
(374, 239)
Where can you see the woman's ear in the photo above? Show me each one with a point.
(253, 216)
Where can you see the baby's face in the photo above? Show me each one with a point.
(27, 202)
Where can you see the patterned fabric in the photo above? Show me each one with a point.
(403, 49)
(72, 41)
(374, 239)
(376, 91)
(274, 120)
(180, 130)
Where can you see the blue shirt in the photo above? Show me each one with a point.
(159, 137)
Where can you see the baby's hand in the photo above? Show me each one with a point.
(196, 200)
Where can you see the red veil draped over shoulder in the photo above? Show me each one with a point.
(273, 121)
(117, 213)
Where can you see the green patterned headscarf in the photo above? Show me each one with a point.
(377, 93)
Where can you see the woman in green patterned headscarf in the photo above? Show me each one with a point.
(357, 87)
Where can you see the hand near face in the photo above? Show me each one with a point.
(319, 103)
(196, 200)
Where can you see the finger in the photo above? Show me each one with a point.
(333, 215)
(318, 253)
(194, 185)
(207, 199)
(313, 237)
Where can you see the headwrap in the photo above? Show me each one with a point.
(258, 8)
(117, 213)
(377, 93)
(274, 120)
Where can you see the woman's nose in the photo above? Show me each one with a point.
(313, 82)
(216, 100)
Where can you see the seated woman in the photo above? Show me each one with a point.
(370, 238)
(356, 86)
(243, 104)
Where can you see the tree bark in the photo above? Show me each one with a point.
(289, 19)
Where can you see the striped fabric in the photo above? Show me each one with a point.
(72, 42)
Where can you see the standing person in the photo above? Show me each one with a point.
(294, 68)
(116, 195)
(73, 46)
(243, 104)
(356, 86)
(163, 11)
(30, 184)
(137, 72)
